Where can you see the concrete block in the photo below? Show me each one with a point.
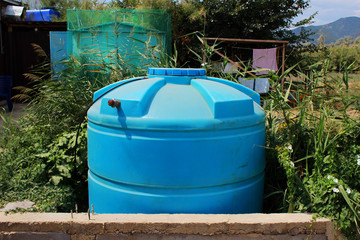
(83, 237)
(169, 226)
(120, 236)
(34, 236)
(80, 227)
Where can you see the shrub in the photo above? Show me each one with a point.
(38, 151)
(315, 148)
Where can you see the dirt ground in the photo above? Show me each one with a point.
(18, 109)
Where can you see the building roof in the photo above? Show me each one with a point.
(13, 2)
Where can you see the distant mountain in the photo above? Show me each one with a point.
(349, 26)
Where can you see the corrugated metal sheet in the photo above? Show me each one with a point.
(13, 2)
(13, 11)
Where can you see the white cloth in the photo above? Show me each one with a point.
(230, 68)
(265, 58)
(259, 85)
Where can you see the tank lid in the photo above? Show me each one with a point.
(167, 103)
(177, 71)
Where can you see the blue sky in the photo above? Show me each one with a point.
(331, 10)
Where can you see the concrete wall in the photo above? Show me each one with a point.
(66, 226)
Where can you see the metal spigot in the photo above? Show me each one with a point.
(114, 103)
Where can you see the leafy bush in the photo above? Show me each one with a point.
(23, 175)
(344, 57)
(37, 155)
(313, 149)
(312, 142)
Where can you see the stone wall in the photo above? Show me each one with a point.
(66, 226)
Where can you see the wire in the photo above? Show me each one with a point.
(245, 48)
(83, 117)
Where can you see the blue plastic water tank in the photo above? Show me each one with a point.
(180, 142)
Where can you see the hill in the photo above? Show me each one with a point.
(349, 26)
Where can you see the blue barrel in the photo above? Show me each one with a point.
(44, 15)
(176, 141)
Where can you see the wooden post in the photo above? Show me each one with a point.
(283, 66)
(283, 58)
(278, 48)
(204, 49)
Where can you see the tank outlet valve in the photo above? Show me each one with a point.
(114, 103)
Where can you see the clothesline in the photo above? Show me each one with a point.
(280, 43)
(245, 48)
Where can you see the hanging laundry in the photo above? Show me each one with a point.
(230, 68)
(259, 85)
(265, 58)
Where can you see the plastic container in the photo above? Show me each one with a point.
(5, 89)
(179, 142)
(44, 15)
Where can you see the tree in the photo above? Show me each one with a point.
(62, 5)
(260, 19)
(257, 19)
(185, 16)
